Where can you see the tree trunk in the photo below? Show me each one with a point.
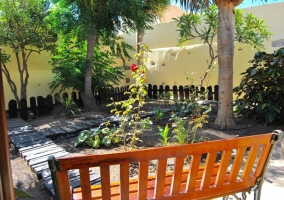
(88, 94)
(11, 83)
(225, 40)
(24, 75)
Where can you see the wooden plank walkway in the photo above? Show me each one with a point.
(35, 147)
(15, 123)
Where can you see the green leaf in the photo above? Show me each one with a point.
(270, 116)
(82, 137)
(94, 142)
(273, 108)
(21, 194)
(107, 141)
(253, 72)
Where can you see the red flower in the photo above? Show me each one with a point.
(134, 67)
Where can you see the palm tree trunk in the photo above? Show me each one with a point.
(225, 40)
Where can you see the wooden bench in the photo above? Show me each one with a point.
(199, 180)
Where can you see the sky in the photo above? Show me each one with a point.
(248, 3)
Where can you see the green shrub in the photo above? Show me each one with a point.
(129, 111)
(164, 134)
(166, 97)
(98, 137)
(158, 114)
(260, 94)
(146, 124)
(66, 108)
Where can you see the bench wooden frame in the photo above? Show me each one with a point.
(228, 177)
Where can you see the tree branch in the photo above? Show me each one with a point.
(11, 83)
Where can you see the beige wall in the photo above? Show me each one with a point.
(167, 63)
(40, 75)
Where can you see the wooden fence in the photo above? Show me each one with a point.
(41, 106)
(183, 92)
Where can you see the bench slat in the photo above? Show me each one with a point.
(64, 185)
(124, 181)
(211, 159)
(160, 178)
(237, 164)
(178, 169)
(143, 179)
(262, 159)
(194, 166)
(105, 178)
(225, 160)
(250, 162)
(85, 183)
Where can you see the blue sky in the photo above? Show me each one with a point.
(248, 3)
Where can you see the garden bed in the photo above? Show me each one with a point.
(25, 179)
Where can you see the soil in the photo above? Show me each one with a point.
(26, 180)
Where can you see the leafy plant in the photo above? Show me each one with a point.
(164, 133)
(192, 111)
(68, 61)
(179, 130)
(146, 124)
(182, 108)
(260, 94)
(98, 137)
(158, 114)
(66, 108)
(129, 110)
(195, 121)
(199, 118)
(166, 97)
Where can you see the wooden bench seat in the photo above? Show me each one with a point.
(133, 185)
(228, 176)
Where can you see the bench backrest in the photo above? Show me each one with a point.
(231, 175)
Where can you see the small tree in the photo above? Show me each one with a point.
(69, 60)
(23, 29)
(248, 29)
(90, 20)
(261, 91)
